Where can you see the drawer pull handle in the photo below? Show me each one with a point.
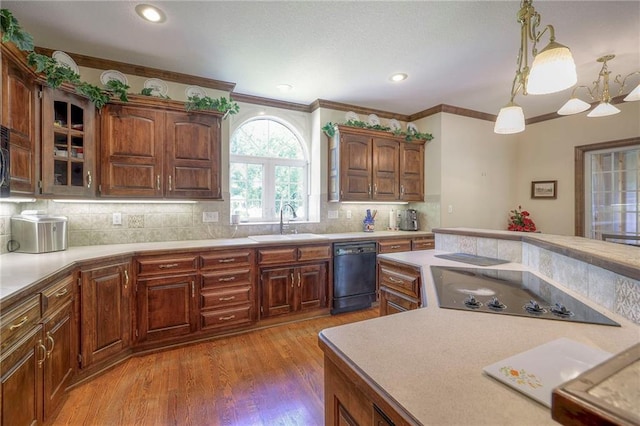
(168, 265)
(395, 247)
(224, 299)
(62, 292)
(193, 289)
(230, 317)
(158, 182)
(44, 353)
(395, 280)
(227, 260)
(126, 278)
(292, 280)
(20, 324)
(299, 279)
(53, 343)
(226, 279)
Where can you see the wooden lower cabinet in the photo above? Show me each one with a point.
(21, 380)
(293, 279)
(166, 307)
(350, 401)
(400, 287)
(227, 293)
(286, 290)
(105, 311)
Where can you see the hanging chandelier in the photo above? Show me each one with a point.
(552, 70)
(600, 94)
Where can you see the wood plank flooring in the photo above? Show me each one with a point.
(272, 376)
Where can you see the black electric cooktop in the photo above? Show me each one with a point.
(506, 292)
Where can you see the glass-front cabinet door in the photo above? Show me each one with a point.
(68, 143)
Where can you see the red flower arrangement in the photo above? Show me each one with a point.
(519, 221)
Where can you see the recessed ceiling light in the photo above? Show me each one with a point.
(398, 77)
(284, 87)
(150, 13)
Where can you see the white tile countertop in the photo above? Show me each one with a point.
(20, 270)
(430, 360)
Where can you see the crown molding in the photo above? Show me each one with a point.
(142, 71)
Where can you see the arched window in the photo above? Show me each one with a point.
(268, 169)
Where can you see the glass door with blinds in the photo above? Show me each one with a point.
(612, 197)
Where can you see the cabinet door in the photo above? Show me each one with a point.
(67, 155)
(355, 167)
(277, 291)
(167, 307)
(411, 171)
(19, 115)
(61, 352)
(105, 312)
(21, 380)
(311, 281)
(131, 152)
(386, 159)
(192, 168)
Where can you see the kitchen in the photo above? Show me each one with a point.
(463, 148)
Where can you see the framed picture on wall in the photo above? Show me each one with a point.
(544, 189)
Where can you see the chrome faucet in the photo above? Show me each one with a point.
(293, 211)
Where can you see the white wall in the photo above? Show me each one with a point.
(546, 152)
(478, 173)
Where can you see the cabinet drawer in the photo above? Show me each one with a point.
(57, 295)
(17, 322)
(392, 246)
(227, 258)
(166, 264)
(314, 252)
(229, 317)
(279, 255)
(423, 244)
(401, 280)
(393, 302)
(226, 278)
(226, 297)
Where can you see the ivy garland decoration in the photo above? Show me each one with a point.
(410, 135)
(56, 74)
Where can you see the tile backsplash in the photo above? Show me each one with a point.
(92, 223)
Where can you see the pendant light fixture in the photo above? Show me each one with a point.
(553, 68)
(601, 95)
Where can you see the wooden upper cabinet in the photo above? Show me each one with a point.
(148, 152)
(386, 162)
(411, 171)
(68, 144)
(131, 148)
(193, 155)
(19, 100)
(369, 165)
(355, 167)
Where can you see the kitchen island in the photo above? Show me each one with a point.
(426, 366)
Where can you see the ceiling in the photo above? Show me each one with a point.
(460, 53)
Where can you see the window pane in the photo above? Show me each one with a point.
(290, 188)
(245, 187)
(266, 138)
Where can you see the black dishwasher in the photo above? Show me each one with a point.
(354, 276)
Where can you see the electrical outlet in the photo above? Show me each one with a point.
(348, 214)
(333, 214)
(117, 219)
(209, 217)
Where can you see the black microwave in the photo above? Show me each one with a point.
(4, 162)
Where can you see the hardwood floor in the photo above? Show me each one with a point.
(272, 376)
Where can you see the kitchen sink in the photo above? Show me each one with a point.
(286, 237)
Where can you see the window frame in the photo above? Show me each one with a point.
(269, 213)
